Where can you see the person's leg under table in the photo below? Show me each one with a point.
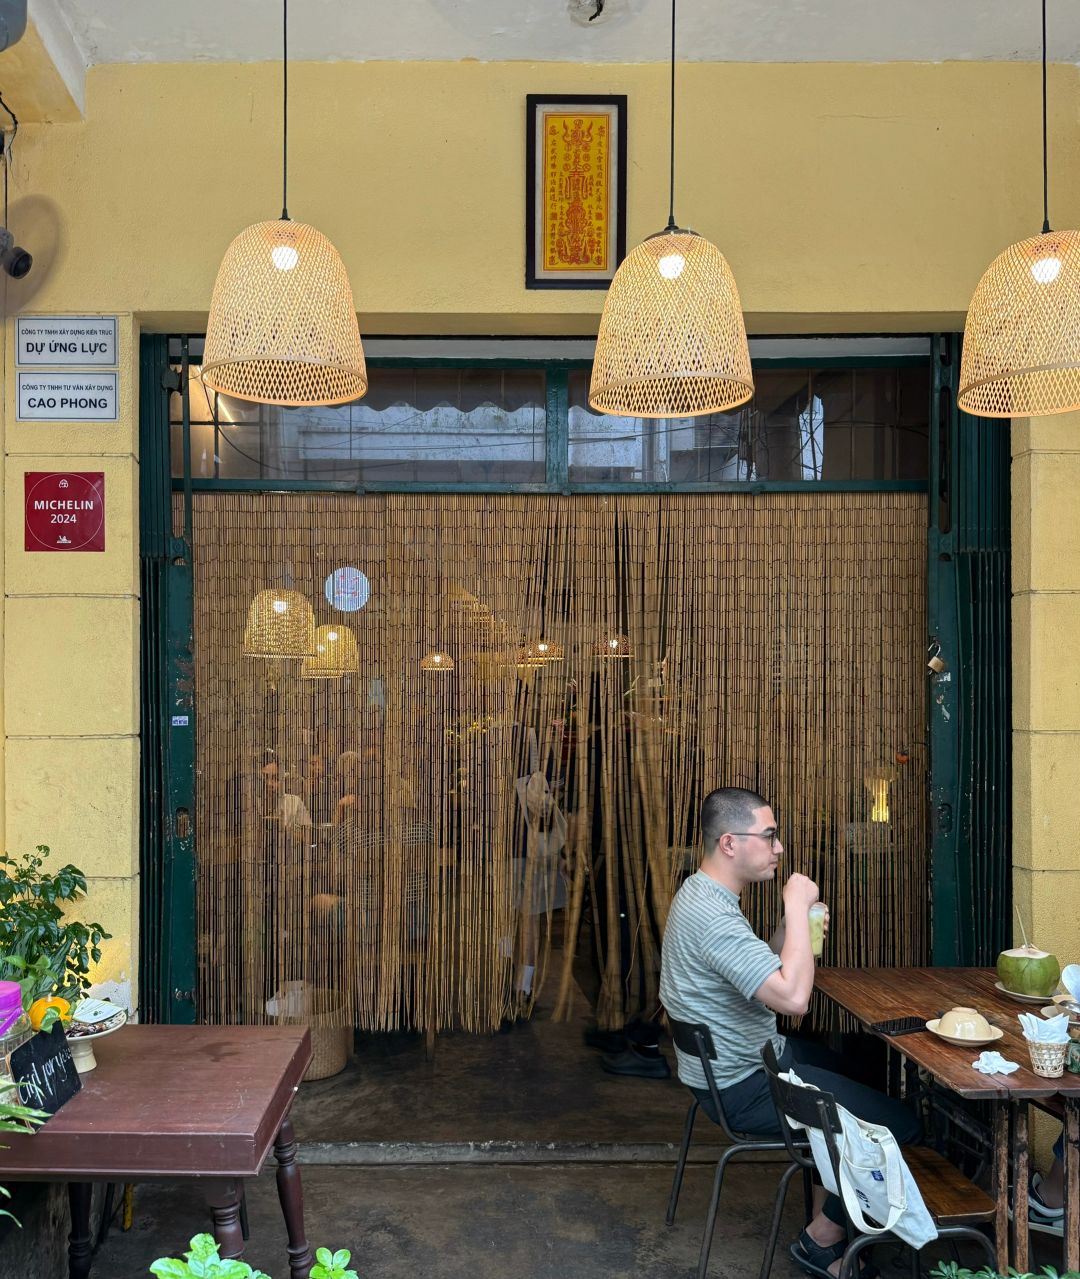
(80, 1243)
(291, 1194)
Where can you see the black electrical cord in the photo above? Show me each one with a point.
(285, 110)
(671, 190)
(6, 145)
(1046, 197)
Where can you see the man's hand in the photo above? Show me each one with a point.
(800, 893)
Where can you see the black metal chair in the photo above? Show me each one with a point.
(955, 1203)
(695, 1040)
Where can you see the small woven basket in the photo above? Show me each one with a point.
(331, 1042)
(1048, 1060)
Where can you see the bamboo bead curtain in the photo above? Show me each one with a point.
(773, 641)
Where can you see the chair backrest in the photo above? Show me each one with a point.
(695, 1039)
(810, 1107)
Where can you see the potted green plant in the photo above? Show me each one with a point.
(49, 955)
(15, 1118)
(203, 1262)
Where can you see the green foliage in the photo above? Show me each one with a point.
(950, 1270)
(203, 1262)
(39, 949)
(15, 1118)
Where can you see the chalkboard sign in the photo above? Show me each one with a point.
(44, 1070)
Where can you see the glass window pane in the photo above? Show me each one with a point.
(802, 425)
(439, 426)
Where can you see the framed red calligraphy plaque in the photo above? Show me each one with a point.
(575, 190)
(65, 510)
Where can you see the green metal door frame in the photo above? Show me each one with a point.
(167, 951)
(964, 802)
(969, 708)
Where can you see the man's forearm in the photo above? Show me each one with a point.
(776, 942)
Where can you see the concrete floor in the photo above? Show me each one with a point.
(596, 1222)
(536, 1083)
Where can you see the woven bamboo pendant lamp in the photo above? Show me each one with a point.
(436, 661)
(279, 624)
(1021, 353)
(282, 327)
(613, 646)
(336, 654)
(672, 340)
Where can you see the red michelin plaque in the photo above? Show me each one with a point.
(65, 510)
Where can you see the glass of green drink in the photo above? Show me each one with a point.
(817, 928)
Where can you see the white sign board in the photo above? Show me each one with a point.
(67, 397)
(78, 340)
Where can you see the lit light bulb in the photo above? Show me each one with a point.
(332, 636)
(671, 265)
(285, 257)
(281, 606)
(613, 643)
(1046, 270)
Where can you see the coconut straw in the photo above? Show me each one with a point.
(1020, 921)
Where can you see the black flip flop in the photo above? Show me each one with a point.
(816, 1260)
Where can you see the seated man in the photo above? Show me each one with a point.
(715, 970)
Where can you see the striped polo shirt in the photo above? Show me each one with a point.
(712, 963)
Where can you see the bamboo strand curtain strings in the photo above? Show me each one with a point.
(366, 843)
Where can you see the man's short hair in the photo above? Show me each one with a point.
(728, 810)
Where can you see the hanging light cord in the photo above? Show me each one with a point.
(1046, 197)
(671, 188)
(285, 110)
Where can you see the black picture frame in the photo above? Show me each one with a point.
(534, 104)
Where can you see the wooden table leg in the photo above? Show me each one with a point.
(1000, 1184)
(80, 1245)
(291, 1194)
(1021, 1165)
(1071, 1241)
(223, 1197)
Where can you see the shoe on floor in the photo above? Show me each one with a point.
(1036, 1204)
(608, 1041)
(634, 1063)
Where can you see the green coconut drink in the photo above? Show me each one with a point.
(1026, 970)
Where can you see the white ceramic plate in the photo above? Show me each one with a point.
(103, 1028)
(1054, 1010)
(1027, 999)
(995, 1034)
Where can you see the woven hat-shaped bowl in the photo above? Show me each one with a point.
(437, 661)
(613, 646)
(1022, 338)
(336, 654)
(279, 624)
(282, 326)
(672, 340)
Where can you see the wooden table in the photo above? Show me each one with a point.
(168, 1102)
(878, 994)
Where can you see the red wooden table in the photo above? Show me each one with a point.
(878, 994)
(167, 1102)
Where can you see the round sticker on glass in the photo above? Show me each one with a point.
(347, 589)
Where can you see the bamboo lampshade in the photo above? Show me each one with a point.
(1022, 338)
(672, 340)
(613, 646)
(546, 651)
(282, 326)
(335, 654)
(436, 661)
(279, 624)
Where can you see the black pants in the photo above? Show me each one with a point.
(748, 1105)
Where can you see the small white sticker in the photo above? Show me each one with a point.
(180, 721)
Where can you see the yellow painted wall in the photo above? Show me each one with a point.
(847, 198)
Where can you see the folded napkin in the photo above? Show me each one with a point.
(1045, 1030)
(992, 1063)
(1070, 979)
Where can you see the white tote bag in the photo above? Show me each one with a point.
(876, 1185)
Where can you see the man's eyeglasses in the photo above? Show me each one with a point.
(771, 835)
